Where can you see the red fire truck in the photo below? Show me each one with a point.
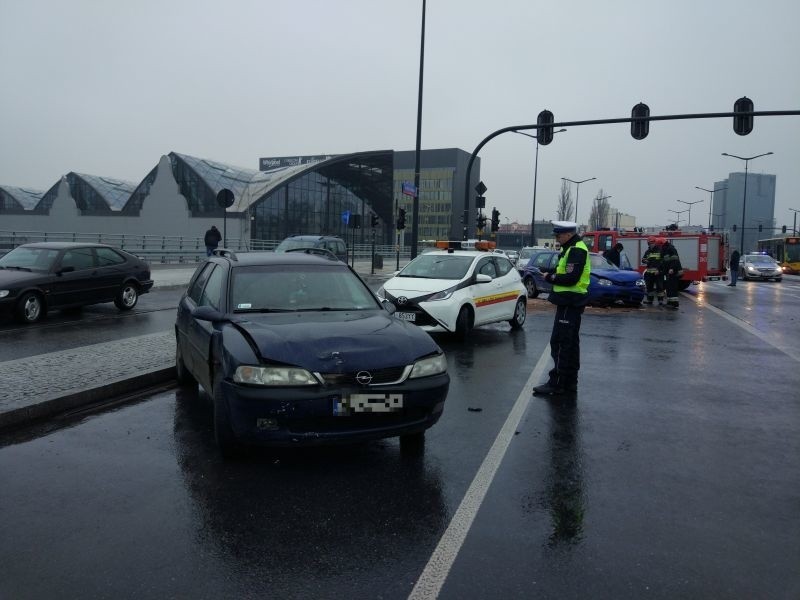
(703, 255)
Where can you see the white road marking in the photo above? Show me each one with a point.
(435, 573)
(746, 326)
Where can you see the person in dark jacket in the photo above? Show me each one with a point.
(734, 267)
(570, 294)
(653, 278)
(212, 239)
(672, 271)
(613, 255)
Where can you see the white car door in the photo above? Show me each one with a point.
(486, 295)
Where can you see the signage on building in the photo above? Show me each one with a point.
(277, 162)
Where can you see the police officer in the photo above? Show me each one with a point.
(653, 277)
(570, 294)
(672, 271)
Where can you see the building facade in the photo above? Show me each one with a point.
(759, 208)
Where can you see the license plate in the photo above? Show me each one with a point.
(367, 403)
(406, 316)
(713, 278)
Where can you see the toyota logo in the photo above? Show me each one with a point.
(364, 377)
(402, 300)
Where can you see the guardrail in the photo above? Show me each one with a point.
(176, 249)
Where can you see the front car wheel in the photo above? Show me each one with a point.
(530, 286)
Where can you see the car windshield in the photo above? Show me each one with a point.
(284, 288)
(32, 259)
(437, 266)
(761, 259)
(600, 262)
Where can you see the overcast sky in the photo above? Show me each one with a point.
(107, 87)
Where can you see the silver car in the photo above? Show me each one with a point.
(759, 266)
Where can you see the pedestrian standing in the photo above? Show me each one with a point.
(570, 294)
(734, 267)
(614, 255)
(653, 278)
(672, 271)
(212, 240)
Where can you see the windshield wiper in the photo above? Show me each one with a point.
(262, 310)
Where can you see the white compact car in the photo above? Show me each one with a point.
(454, 290)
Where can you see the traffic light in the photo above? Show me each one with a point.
(495, 219)
(545, 132)
(711, 228)
(734, 228)
(640, 129)
(743, 124)
(783, 229)
(760, 228)
(355, 221)
(480, 222)
(401, 218)
(374, 220)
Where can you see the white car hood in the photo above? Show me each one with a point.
(417, 286)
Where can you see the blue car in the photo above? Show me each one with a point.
(294, 349)
(609, 284)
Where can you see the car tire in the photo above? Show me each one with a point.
(31, 308)
(530, 285)
(182, 374)
(127, 296)
(227, 444)
(520, 313)
(463, 324)
(412, 444)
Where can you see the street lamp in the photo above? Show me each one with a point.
(597, 224)
(689, 224)
(794, 223)
(678, 213)
(535, 175)
(710, 200)
(744, 198)
(577, 192)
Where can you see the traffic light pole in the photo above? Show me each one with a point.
(517, 128)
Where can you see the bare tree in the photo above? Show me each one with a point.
(565, 206)
(600, 211)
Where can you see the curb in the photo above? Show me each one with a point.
(80, 397)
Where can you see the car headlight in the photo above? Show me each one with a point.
(750, 268)
(282, 376)
(4, 293)
(381, 293)
(432, 365)
(604, 282)
(640, 283)
(443, 295)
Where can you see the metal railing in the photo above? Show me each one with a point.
(175, 249)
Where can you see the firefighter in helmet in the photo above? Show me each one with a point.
(672, 269)
(653, 277)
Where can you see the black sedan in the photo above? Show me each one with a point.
(38, 277)
(294, 349)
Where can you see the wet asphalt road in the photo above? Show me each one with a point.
(676, 474)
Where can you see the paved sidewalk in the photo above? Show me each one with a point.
(37, 387)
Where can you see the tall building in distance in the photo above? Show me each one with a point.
(759, 208)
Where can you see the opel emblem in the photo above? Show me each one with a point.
(364, 377)
(402, 300)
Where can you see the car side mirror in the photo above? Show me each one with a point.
(65, 270)
(388, 306)
(206, 313)
(482, 278)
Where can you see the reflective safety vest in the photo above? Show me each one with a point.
(582, 287)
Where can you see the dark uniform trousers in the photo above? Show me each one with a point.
(565, 347)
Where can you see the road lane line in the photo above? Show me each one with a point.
(746, 326)
(435, 573)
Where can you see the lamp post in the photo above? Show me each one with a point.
(710, 200)
(535, 175)
(577, 192)
(794, 223)
(597, 224)
(689, 224)
(678, 213)
(744, 198)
